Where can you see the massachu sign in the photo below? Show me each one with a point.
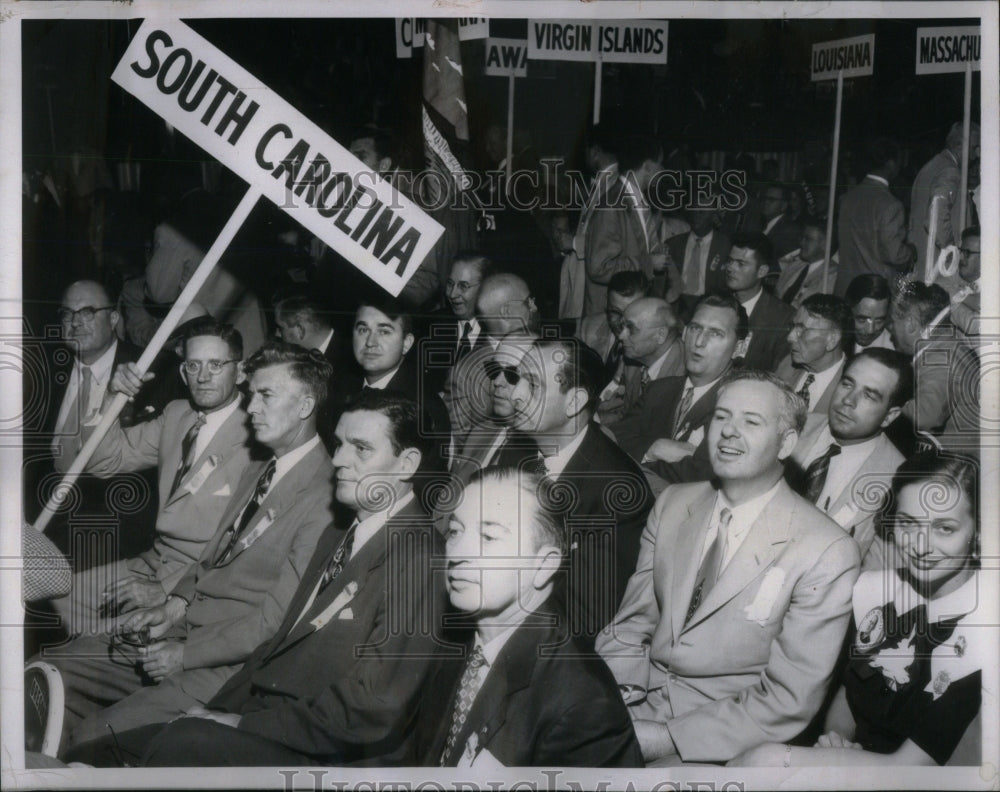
(263, 139)
(854, 56)
(950, 49)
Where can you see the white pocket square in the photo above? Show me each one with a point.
(767, 595)
(224, 491)
(346, 613)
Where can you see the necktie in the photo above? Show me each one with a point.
(613, 361)
(340, 558)
(464, 344)
(67, 442)
(187, 452)
(468, 687)
(682, 410)
(711, 564)
(259, 493)
(86, 386)
(792, 290)
(815, 476)
(644, 379)
(692, 272)
(804, 390)
(538, 466)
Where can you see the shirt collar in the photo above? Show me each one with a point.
(555, 464)
(879, 179)
(326, 342)
(653, 369)
(700, 390)
(215, 419)
(100, 369)
(862, 449)
(491, 648)
(772, 223)
(373, 523)
(746, 514)
(286, 462)
(383, 381)
(750, 304)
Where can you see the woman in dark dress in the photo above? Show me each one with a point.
(912, 688)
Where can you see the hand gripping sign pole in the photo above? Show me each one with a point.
(252, 131)
(851, 57)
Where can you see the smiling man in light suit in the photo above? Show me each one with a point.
(731, 625)
(201, 447)
(236, 595)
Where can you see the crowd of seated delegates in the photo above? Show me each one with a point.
(767, 416)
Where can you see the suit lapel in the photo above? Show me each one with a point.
(701, 409)
(232, 434)
(686, 554)
(763, 542)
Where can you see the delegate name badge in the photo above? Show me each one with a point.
(203, 473)
(871, 630)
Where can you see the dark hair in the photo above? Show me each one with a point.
(548, 525)
(630, 283)
(793, 409)
(604, 138)
(727, 300)
(207, 326)
(759, 244)
(971, 231)
(933, 465)
(898, 362)
(581, 367)
(390, 306)
(636, 149)
(303, 306)
(483, 262)
(806, 221)
(308, 367)
(872, 287)
(880, 151)
(833, 310)
(927, 301)
(382, 139)
(404, 417)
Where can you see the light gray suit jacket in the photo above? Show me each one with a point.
(754, 662)
(188, 518)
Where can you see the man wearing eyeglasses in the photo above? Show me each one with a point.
(200, 447)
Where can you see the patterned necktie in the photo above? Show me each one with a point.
(804, 390)
(67, 442)
(815, 476)
(711, 564)
(467, 690)
(464, 344)
(187, 452)
(259, 493)
(682, 410)
(538, 466)
(692, 272)
(340, 558)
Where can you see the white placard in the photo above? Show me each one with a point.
(259, 136)
(633, 41)
(562, 39)
(854, 56)
(470, 28)
(506, 56)
(948, 49)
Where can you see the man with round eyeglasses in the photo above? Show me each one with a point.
(200, 447)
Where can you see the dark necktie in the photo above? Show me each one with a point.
(792, 290)
(464, 344)
(804, 390)
(187, 452)
(682, 410)
(692, 272)
(815, 476)
(340, 558)
(537, 465)
(708, 572)
(613, 361)
(468, 688)
(259, 493)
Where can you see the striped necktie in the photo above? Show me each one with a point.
(804, 390)
(711, 564)
(259, 493)
(187, 452)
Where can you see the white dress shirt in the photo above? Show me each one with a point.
(821, 381)
(213, 420)
(744, 516)
(843, 467)
(101, 371)
(555, 464)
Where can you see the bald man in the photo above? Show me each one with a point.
(505, 305)
(650, 337)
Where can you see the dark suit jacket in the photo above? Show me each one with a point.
(344, 384)
(436, 350)
(535, 708)
(605, 506)
(342, 683)
(769, 325)
(785, 236)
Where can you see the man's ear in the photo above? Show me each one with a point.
(762, 271)
(241, 375)
(576, 402)
(788, 443)
(307, 406)
(550, 559)
(114, 318)
(409, 461)
(407, 342)
(385, 165)
(891, 416)
(833, 340)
